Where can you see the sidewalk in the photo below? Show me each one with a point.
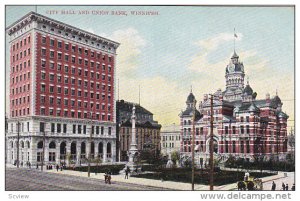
(171, 184)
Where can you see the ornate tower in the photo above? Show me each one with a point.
(234, 79)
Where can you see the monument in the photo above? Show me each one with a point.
(133, 151)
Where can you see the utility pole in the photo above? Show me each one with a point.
(18, 143)
(89, 156)
(211, 146)
(193, 146)
(44, 142)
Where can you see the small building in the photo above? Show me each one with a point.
(147, 129)
(170, 139)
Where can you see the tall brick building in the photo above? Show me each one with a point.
(244, 127)
(62, 82)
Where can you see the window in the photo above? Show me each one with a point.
(58, 128)
(226, 129)
(51, 89)
(67, 47)
(51, 42)
(59, 44)
(242, 129)
(109, 130)
(42, 127)
(242, 119)
(51, 77)
(233, 129)
(51, 54)
(74, 128)
(58, 101)
(59, 55)
(248, 129)
(65, 128)
(79, 129)
(43, 40)
(43, 88)
(247, 118)
(43, 52)
(233, 147)
(66, 57)
(102, 130)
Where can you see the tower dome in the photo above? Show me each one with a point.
(248, 90)
(190, 98)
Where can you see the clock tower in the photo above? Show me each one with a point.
(234, 79)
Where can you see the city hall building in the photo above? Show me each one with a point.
(62, 85)
(243, 126)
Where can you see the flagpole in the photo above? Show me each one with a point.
(234, 39)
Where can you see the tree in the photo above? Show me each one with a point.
(175, 156)
(230, 162)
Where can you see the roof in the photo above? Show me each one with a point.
(146, 124)
(190, 98)
(248, 90)
(282, 114)
(189, 112)
(127, 106)
(33, 16)
(234, 55)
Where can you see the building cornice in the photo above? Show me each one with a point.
(32, 16)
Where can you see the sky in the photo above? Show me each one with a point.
(188, 46)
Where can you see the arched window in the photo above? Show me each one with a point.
(22, 144)
(52, 145)
(28, 144)
(40, 145)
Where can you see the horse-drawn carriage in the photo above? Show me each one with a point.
(250, 184)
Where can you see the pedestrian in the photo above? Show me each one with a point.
(273, 186)
(47, 167)
(109, 177)
(61, 168)
(57, 167)
(293, 187)
(105, 177)
(283, 186)
(126, 173)
(37, 166)
(29, 165)
(286, 187)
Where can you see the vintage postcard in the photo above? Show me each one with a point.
(150, 98)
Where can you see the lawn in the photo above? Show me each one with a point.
(201, 176)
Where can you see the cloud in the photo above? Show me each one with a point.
(159, 95)
(210, 44)
(129, 50)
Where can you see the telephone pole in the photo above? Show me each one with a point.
(43, 156)
(18, 143)
(193, 146)
(211, 146)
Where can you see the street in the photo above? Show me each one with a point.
(34, 180)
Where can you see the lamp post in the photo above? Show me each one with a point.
(90, 142)
(43, 155)
(18, 143)
(193, 146)
(211, 145)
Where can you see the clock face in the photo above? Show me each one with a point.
(231, 67)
